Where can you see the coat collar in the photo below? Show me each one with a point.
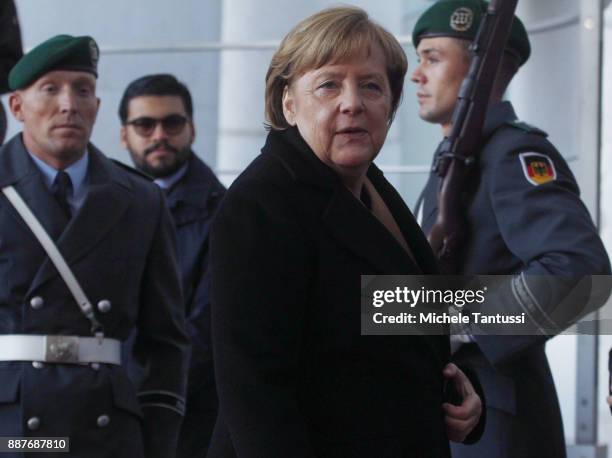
(497, 115)
(15, 164)
(299, 160)
(346, 218)
(108, 198)
(18, 169)
(196, 187)
(109, 195)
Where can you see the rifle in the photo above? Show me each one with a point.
(458, 152)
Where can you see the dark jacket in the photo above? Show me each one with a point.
(532, 230)
(120, 246)
(295, 378)
(193, 201)
(10, 52)
(11, 49)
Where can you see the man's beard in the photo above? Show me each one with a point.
(166, 169)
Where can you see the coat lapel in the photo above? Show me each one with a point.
(412, 232)
(353, 226)
(108, 197)
(18, 170)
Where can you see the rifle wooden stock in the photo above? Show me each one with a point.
(459, 149)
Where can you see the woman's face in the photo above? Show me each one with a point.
(342, 110)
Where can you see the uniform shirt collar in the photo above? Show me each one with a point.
(167, 182)
(497, 115)
(77, 172)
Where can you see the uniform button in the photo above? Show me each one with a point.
(103, 421)
(38, 364)
(33, 423)
(36, 302)
(104, 306)
(95, 366)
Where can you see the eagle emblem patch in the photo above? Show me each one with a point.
(538, 168)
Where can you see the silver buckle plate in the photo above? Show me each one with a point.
(61, 349)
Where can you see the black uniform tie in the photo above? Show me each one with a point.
(63, 185)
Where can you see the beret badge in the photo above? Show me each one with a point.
(461, 19)
(94, 53)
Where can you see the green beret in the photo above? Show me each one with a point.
(62, 52)
(460, 19)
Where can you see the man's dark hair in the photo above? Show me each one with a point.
(156, 85)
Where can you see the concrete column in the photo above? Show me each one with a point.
(547, 93)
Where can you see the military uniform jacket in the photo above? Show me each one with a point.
(120, 246)
(530, 223)
(193, 201)
(295, 376)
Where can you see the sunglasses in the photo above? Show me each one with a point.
(172, 124)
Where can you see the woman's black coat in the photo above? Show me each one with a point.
(295, 377)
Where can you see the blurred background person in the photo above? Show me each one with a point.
(11, 51)
(156, 113)
(292, 237)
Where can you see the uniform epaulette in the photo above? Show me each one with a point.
(132, 170)
(527, 128)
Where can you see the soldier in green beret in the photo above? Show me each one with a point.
(88, 256)
(525, 219)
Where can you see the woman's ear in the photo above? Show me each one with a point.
(288, 106)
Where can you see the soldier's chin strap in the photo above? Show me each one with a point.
(56, 258)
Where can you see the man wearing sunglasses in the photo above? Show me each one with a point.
(156, 113)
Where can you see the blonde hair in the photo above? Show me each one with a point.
(331, 35)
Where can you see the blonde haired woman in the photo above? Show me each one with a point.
(295, 232)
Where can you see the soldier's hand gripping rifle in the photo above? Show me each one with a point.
(458, 151)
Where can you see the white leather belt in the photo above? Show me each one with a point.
(59, 349)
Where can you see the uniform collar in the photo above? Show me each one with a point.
(497, 115)
(76, 171)
(16, 164)
(167, 182)
(196, 185)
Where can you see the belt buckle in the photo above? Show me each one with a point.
(61, 349)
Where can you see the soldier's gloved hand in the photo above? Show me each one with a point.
(460, 420)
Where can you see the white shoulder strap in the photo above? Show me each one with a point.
(54, 255)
